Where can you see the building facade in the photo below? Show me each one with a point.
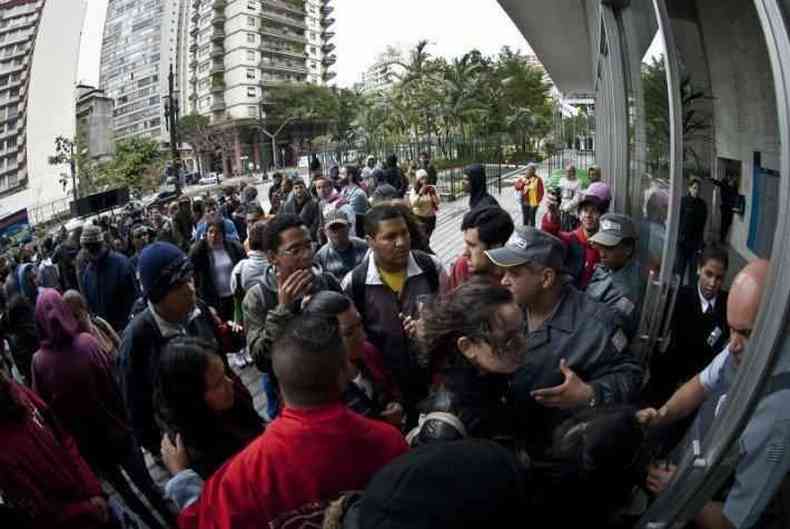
(39, 50)
(241, 50)
(142, 39)
(95, 122)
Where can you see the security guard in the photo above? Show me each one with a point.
(576, 354)
(616, 281)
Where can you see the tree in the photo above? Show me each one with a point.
(194, 129)
(64, 155)
(137, 164)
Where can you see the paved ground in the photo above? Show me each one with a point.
(447, 242)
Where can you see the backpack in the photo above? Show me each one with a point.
(359, 274)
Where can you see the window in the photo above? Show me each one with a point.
(313, 50)
(252, 6)
(251, 37)
(250, 73)
(252, 91)
(251, 55)
(251, 21)
(252, 112)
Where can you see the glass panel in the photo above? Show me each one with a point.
(649, 154)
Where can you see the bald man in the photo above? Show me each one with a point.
(707, 392)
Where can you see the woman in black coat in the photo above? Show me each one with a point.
(213, 259)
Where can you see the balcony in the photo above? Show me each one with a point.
(196, 17)
(217, 104)
(293, 7)
(329, 61)
(218, 87)
(328, 35)
(283, 66)
(219, 4)
(293, 37)
(328, 76)
(219, 19)
(328, 48)
(217, 51)
(327, 10)
(217, 67)
(193, 63)
(326, 22)
(193, 47)
(284, 20)
(194, 30)
(196, 4)
(219, 34)
(285, 52)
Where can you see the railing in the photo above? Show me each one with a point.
(293, 7)
(284, 20)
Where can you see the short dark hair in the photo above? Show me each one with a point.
(308, 359)
(256, 235)
(384, 193)
(328, 303)
(280, 223)
(378, 214)
(353, 173)
(716, 252)
(494, 225)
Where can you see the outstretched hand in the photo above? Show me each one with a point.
(571, 393)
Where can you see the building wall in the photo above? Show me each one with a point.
(744, 100)
(50, 102)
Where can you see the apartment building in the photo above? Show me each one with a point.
(39, 49)
(142, 39)
(242, 50)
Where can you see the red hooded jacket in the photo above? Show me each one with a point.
(591, 256)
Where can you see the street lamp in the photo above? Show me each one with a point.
(171, 123)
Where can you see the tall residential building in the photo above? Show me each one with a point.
(142, 39)
(242, 50)
(39, 50)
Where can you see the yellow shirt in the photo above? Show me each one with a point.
(393, 280)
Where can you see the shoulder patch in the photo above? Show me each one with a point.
(619, 340)
(625, 305)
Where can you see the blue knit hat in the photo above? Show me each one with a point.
(161, 267)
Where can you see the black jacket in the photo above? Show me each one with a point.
(203, 261)
(478, 195)
(141, 347)
(309, 212)
(693, 214)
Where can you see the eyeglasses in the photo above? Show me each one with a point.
(296, 251)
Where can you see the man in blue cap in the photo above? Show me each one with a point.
(172, 309)
(576, 353)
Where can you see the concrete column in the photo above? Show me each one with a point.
(256, 153)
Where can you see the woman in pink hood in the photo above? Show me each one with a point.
(75, 378)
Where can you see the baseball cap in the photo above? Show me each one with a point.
(335, 216)
(529, 245)
(614, 227)
(91, 234)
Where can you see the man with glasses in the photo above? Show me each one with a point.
(342, 252)
(281, 292)
(172, 310)
(576, 354)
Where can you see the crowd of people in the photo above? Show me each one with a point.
(396, 393)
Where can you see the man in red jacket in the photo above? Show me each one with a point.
(315, 450)
(582, 255)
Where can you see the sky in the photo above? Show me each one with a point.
(364, 29)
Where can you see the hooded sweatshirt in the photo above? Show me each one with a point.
(478, 196)
(74, 376)
(41, 470)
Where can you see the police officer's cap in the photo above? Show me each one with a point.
(614, 227)
(530, 245)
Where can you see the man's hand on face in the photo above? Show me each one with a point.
(294, 287)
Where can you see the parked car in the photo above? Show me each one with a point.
(211, 179)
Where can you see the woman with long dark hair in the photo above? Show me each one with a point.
(213, 259)
(200, 401)
(474, 339)
(43, 477)
(371, 391)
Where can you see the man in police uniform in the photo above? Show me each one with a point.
(616, 281)
(764, 458)
(576, 355)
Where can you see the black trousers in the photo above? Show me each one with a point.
(528, 212)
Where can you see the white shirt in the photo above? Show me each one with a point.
(705, 303)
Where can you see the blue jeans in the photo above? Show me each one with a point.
(269, 386)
